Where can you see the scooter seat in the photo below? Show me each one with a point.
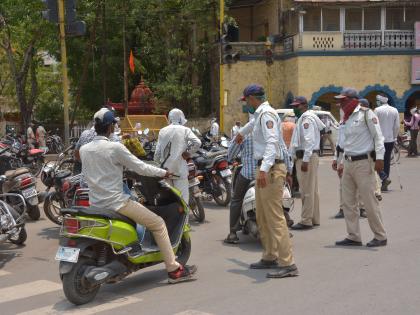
(14, 173)
(105, 214)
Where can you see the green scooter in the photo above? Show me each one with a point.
(98, 247)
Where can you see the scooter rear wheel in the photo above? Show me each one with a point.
(75, 287)
(33, 212)
(197, 209)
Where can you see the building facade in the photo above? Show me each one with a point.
(321, 46)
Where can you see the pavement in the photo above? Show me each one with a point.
(332, 280)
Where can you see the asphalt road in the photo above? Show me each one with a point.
(332, 280)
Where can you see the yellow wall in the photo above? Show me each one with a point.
(306, 75)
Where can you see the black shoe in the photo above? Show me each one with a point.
(183, 273)
(264, 264)
(232, 238)
(316, 224)
(301, 227)
(340, 214)
(376, 243)
(363, 213)
(347, 242)
(282, 272)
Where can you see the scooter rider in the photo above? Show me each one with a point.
(102, 166)
(175, 145)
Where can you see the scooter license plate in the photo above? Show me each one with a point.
(68, 254)
(226, 173)
(29, 193)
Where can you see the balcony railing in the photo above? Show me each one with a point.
(362, 40)
(254, 48)
(399, 39)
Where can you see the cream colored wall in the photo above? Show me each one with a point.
(355, 71)
(238, 76)
(307, 75)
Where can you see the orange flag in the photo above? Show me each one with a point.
(131, 62)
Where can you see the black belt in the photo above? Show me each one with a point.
(355, 158)
(301, 153)
(276, 161)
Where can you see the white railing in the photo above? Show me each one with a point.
(362, 40)
(399, 39)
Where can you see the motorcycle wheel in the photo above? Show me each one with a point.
(52, 206)
(20, 238)
(197, 208)
(223, 199)
(75, 288)
(33, 212)
(184, 250)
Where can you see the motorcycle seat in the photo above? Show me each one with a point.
(14, 173)
(105, 214)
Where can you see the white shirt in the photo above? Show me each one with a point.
(361, 138)
(306, 136)
(389, 120)
(102, 167)
(267, 137)
(214, 129)
(340, 143)
(176, 139)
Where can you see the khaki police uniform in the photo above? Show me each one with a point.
(305, 148)
(362, 139)
(271, 154)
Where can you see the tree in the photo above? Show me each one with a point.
(22, 33)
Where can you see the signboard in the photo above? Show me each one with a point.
(415, 70)
(417, 34)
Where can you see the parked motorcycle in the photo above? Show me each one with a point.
(195, 203)
(54, 143)
(214, 170)
(22, 182)
(99, 247)
(403, 140)
(12, 224)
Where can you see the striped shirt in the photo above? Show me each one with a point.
(246, 150)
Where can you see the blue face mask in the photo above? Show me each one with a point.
(251, 109)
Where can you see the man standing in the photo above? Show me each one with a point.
(363, 153)
(287, 127)
(40, 136)
(30, 135)
(414, 125)
(327, 136)
(389, 121)
(175, 145)
(242, 181)
(214, 130)
(271, 155)
(305, 149)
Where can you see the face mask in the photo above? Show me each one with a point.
(378, 103)
(297, 112)
(250, 109)
(413, 110)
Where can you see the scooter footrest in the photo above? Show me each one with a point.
(136, 249)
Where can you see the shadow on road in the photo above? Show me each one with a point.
(8, 252)
(352, 247)
(51, 233)
(259, 276)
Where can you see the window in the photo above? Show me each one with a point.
(330, 19)
(412, 15)
(372, 19)
(291, 23)
(354, 19)
(394, 18)
(312, 20)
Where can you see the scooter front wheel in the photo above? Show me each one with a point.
(76, 289)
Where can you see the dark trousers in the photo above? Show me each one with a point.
(389, 146)
(412, 150)
(241, 187)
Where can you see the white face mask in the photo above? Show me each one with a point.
(413, 110)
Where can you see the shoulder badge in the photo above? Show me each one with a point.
(306, 125)
(375, 120)
(269, 124)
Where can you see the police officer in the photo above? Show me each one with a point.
(271, 155)
(305, 149)
(364, 150)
